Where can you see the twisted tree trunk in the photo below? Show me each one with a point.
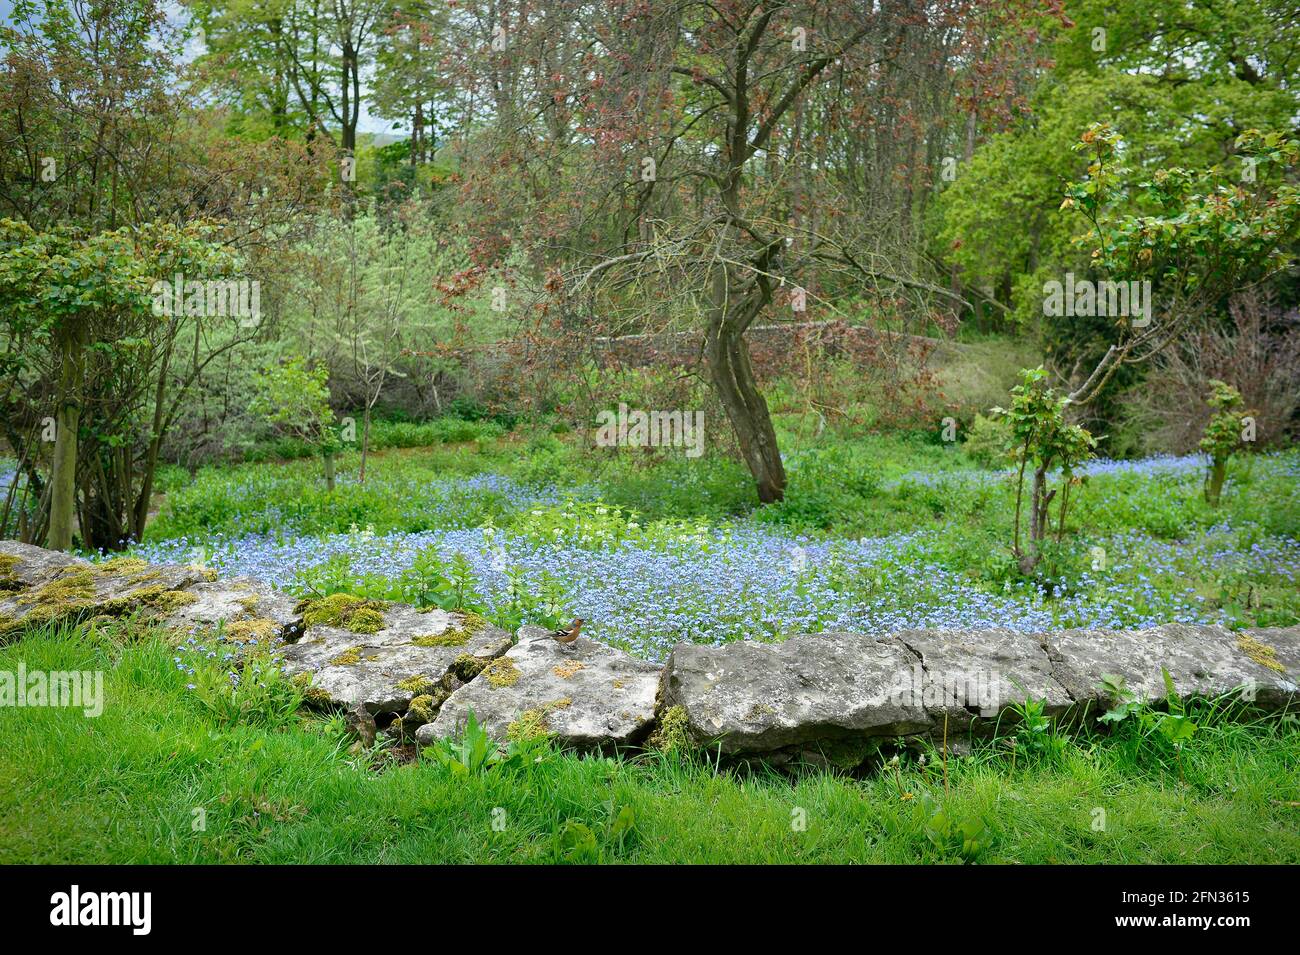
(733, 379)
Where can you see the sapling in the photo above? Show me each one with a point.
(1228, 430)
(296, 396)
(1041, 439)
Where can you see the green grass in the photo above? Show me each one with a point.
(124, 787)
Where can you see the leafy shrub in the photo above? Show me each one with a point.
(987, 441)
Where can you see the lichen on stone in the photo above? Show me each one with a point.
(1261, 653)
(344, 610)
(501, 673)
(249, 603)
(566, 669)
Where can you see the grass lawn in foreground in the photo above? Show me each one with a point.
(128, 786)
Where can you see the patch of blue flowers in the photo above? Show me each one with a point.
(721, 584)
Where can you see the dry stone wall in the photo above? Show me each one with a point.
(824, 697)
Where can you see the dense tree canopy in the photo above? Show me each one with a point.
(563, 172)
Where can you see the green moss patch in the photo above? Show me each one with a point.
(467, 666)
(672, 733)
(9, 582)
(156, 597)
(76, 588)
(418, 684)
(421, 710)
(501, 673)
(124, 566)
(533, 723)
(452, 638)
(344, 610)
(260, 629)
(34, 618)
(349, 657)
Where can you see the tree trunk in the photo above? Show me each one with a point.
(1039, 499)
(365, 444)
(733, 380)
(329, 471)
(139, 515)
(63, 476)
(1214, 486)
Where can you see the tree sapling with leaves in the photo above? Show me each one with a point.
(1041, 437)
(1229, 429)
(297, 397)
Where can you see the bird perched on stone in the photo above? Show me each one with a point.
(568, 634)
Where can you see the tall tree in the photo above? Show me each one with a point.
(710, 157)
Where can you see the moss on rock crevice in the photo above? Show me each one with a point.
(467, 666)
(422, 709)
(417, 684)
(673, 732)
